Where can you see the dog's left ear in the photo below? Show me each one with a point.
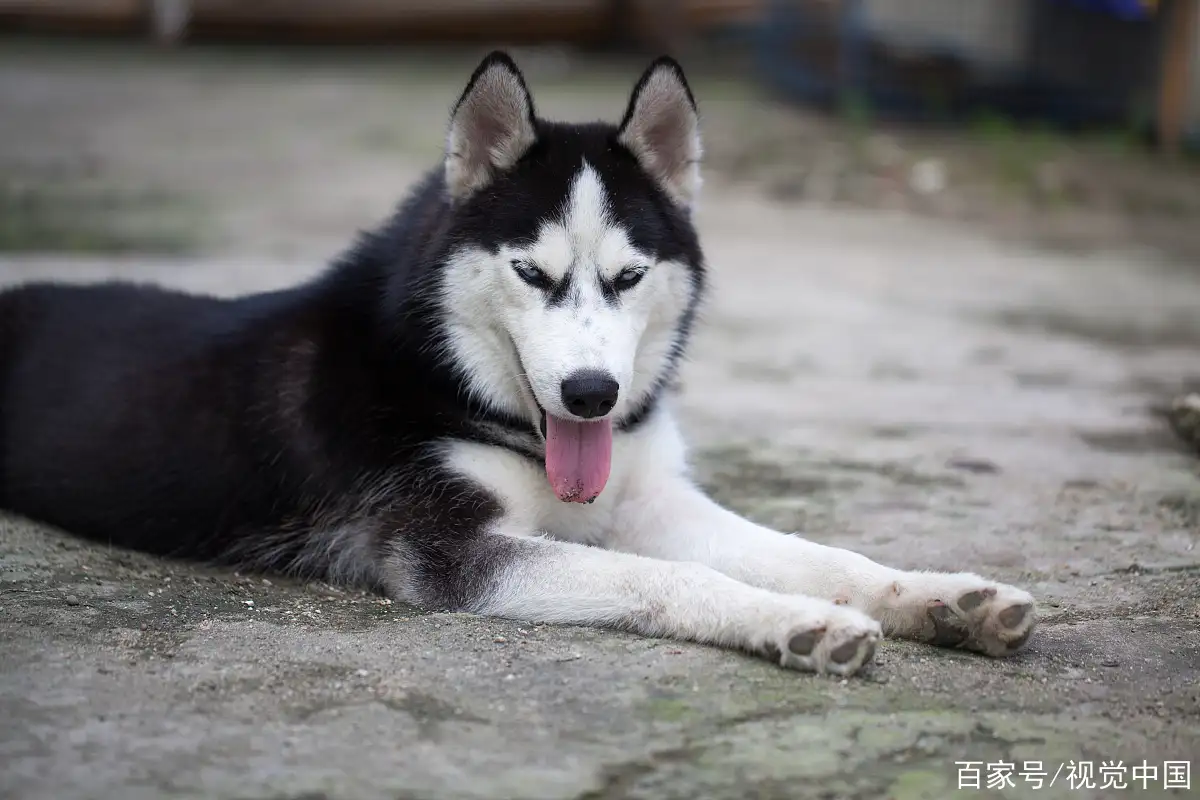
(662, 129)
(491, 128)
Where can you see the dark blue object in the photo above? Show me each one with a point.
(814, 58)
(1123, 9)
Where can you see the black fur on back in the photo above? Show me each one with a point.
(294, 430)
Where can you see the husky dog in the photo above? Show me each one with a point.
(470, 410)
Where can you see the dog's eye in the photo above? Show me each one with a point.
(531, 274)
(628, 278)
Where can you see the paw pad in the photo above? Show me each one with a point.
(1019, 642)
(972, 600)
(846, 652)
(948, 629)
(1012, 616)
(802, 644)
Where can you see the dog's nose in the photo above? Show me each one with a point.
(589, 394)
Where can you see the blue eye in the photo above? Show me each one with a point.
(628, 278)
(531, 274)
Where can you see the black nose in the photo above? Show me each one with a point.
(589, 393)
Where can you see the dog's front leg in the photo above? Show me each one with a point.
(669, 518)
(541, 580)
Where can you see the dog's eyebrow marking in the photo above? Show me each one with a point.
(562, 291)
(609, 291)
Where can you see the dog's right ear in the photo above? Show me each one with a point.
(491, 127)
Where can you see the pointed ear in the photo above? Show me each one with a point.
(491, 127)
(662, 129)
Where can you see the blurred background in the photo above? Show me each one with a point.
(273, 126)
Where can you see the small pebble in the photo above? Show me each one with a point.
(71, 600)
(1109, 663)
(499, 640)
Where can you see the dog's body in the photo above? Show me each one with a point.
(470, 411)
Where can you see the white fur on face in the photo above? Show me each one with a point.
(510, 338)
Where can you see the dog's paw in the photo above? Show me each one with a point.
(961, 610)
(835, 640)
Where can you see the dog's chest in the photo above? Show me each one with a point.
(529, 502)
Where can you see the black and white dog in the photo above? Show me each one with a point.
(470, 411)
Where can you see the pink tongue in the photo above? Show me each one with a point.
(578, 457)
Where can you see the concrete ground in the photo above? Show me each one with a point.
(907, 389)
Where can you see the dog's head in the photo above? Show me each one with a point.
(575, 270)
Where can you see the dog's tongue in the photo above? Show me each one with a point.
(578, 457)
